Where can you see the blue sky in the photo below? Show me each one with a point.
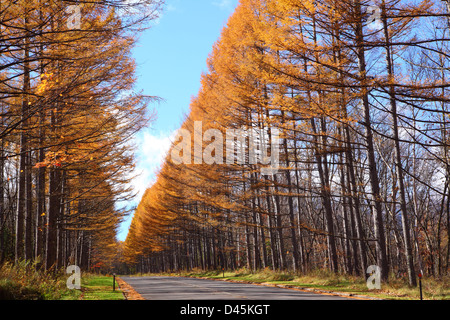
(171, 57)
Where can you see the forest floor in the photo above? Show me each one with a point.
(325, 282)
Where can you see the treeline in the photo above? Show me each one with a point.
(359, 93)
(67, 114)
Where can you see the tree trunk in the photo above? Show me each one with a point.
(53, 217)
(382, 261)
(398, 160)
(326, 198)
(22, 205)
(290, 202)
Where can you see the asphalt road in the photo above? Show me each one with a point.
(173, 288)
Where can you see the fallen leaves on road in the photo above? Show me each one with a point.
(128, 291)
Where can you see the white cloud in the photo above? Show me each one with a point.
(223, 4)
(152, 149)
(150, 155)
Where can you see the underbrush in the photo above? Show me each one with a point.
(26, 281)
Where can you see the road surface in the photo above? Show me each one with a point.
(174, 288)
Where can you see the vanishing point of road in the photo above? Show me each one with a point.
(179, 288)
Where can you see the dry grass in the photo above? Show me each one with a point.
(25, 281)
(128, 291)
(324, 281)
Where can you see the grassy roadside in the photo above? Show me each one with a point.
(25, 281)
(395, 289)
(93, 287)
(99, 287)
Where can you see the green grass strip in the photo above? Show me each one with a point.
(98, 287)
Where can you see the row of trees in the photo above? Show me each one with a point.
(68, 112)
(359, 92)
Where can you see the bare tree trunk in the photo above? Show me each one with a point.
(290, 202)
(398, 160)
(2, 195)
(53, 212)
(302, 264)
(265, 261)
(256, 246)
(40, 190)
(22, 207)
(326, 197)
(279, 225)
(273, 245)
(373, 172)
(40, 177)
(346, 200)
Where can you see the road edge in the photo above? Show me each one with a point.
(297, 288)
(128, 291)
